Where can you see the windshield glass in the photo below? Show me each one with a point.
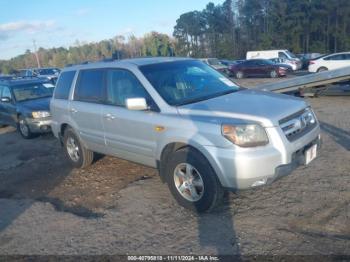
(291, 54)
(48, 71)
(32, 91)
(185, 82)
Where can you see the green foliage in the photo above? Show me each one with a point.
(153, 44)
(231, 29)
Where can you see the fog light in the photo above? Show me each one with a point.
(260, 182)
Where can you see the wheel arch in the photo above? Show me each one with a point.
(172, 147)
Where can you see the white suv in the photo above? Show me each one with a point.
(200, 130)
(329, 62)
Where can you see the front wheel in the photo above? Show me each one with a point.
(76, 153)
(192, 181)
(23, 128)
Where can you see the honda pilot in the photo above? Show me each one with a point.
(201, 131)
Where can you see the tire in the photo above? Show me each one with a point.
(239, 75)
(76, 153)
(208, 196)
(23, 128)
(273, 74)
(322, 69)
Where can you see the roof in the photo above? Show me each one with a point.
(132, 61)
(22, 81)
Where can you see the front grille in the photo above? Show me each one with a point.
(298, 124)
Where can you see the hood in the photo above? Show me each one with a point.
(248, 105)
(40, 104)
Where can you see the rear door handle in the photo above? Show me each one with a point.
(73, 110)
(109, 116)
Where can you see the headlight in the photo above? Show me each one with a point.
(41, 114)
(245, 135)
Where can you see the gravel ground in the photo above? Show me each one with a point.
(117, 207)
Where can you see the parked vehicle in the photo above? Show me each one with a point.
(306, 58)
(24, 103)
(50, 73)
(258, 67)
(200, 130)
(230, 62)
(329, 62)
(291, 65)
(270, 54)
(216, 64)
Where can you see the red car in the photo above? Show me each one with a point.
(257, 67)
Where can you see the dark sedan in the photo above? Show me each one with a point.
(25, 104)
(257, 67)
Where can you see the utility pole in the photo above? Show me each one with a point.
(36, 54)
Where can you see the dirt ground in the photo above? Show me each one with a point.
(118, 207)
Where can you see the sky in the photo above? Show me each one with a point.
(55, 23)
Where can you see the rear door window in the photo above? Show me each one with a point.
(90, 86)
(64, 85)
(335, 57)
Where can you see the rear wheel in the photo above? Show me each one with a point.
(273, 74)
(76, 153)
(239, 75)
(23, 128)
(322, 69)
(192, 181)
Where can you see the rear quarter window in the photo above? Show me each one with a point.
(64, 84)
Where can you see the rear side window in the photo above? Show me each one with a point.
(335, 57)
(64, 84)
(90, 86)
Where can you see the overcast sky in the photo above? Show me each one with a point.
(61, 22)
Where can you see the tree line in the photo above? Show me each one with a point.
(152, 44)
(226, 30)
(230, 29)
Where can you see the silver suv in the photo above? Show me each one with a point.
(200, 130)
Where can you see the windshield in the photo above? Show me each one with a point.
(291, 54)
(185, 82)
(48, 71)
(32, 91)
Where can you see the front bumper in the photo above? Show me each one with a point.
(246, 168)
(39, 125)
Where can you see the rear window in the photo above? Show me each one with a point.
(64, 84)
(90, 86)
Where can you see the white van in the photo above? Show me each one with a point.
(273, 54)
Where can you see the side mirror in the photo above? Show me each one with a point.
(6, 99)
(136, 104)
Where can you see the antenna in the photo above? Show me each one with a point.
(36, 54)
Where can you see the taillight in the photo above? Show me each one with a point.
(311, 62)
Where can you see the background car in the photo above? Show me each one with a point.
(257, 67)
(230, 62)
(50, 73)
(216, 64)
(292, 65)
(305, 58)
(329, 62)
(25, 104)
